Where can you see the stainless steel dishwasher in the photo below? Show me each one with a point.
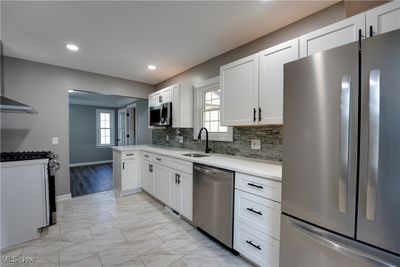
(213, 202)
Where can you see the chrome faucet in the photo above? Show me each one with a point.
(199, 137)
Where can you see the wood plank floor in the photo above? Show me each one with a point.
(90, 179)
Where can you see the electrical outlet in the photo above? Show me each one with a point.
(180, 139)
(167, 138)
(256, 144)
(54, 140)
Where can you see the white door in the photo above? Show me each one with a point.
(239, 92)
(122, 127)
(161, 183)
(334, 35)
(384, 18)
(147, 176)
(271, 80)
(173, 191)
(185, 183)
(129, 178)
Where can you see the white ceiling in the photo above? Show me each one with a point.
(121, 38)
(95, 99)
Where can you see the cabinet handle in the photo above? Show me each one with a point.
(257, 212)
(371, 31)
(254, 114)
(150, 168)
(254, 185)
(259, 113)
(159, 159)
(251, 243)
(123, 165)
(179, 178)
(176, 178)
(130, 154)
(146, 156)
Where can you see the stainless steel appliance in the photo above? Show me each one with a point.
(213, 202)
(341, 171)
(52, 166)
(161, 115)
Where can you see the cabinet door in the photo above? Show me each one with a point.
(147, 176)
(337, 34)
(173, 202)
(161, 183)
(129, 177)
(239, 91)
(185, 182)
(383, 19)
(271, 80)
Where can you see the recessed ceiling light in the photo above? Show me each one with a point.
(151, 67)
(72, 47)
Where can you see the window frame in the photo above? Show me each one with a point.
(112, 127)
(199, 89)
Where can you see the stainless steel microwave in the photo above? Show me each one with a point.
(161, 115)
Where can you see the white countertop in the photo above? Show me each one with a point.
(262, 168)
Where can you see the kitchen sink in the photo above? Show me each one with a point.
(195, 155)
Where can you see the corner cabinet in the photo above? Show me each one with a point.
(334, 35)
(181, 98)
(383, 19)
(126, 176)
(252, 87)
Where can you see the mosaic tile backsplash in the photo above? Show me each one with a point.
(270, 136)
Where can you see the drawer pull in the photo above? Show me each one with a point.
(251, 243)
(130, 154)
(159, 159)
(257, 212)
(146, 156)
(254, 185)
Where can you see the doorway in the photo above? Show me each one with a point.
(127, 126)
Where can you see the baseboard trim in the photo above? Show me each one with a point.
(63, 197)
(128, 192)
(90, 163)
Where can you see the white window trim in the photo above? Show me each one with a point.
(112, 127)
(199, 89)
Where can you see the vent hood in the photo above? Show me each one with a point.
(7, 104)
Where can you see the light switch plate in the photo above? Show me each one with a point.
(256, 144)
(167, 138)
(54, 140)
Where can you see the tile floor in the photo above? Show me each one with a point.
(105, 230)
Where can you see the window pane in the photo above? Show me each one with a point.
(102, 132)
(107, 140)
(107, 124)
(102, 116)
(102, 140)
(206, 125)
(215, 103)
(215, 94)
(208, 105)
(107, 132)
(214, 126)
(102, 124)
(206, 115)
(107, 116)
(214, 115)
(207, 96)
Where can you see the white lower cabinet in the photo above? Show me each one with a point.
(181, 193)
(126, 178)
(257, 219)
(161, 183)
(147, 176)
(255, 245)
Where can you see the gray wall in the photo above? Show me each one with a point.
(45, 87)
(142, 127)
(82, 135)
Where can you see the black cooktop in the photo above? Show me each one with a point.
(25, 155)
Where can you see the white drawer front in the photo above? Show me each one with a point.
(260, 213)
(181, 165)
(161, 160)
(259, 186)
(148, 156)
(256, 246)
(129, 155)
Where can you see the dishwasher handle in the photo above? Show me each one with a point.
(212, 171)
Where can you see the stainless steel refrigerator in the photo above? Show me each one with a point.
(341, 163)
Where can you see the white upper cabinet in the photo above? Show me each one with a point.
(182, 103)
(271, 80)
(337, 34)
(383, 19)
(239, 91)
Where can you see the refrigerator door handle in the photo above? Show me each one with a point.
(344, 142)
(338, 244)
(373, 143)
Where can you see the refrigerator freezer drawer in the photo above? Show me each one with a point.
(256, 246)
(260, 213)
(259, 186)
(303, 244)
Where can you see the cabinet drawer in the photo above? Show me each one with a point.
(148, 156)
(256, 246)
(181, 165)
(161, 160)
(129, 155)
(260, 213)
(259, 186)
